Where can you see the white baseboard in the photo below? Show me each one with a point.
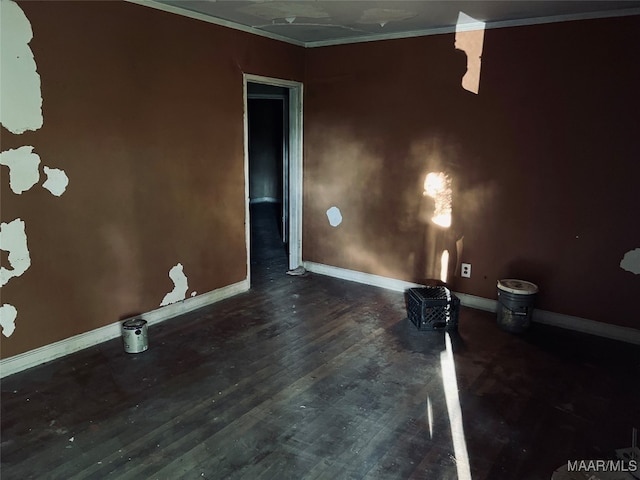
(190, 304)
(359, 277)
(479, 303)
(38, 356)
(584, 325)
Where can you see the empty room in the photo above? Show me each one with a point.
(320, 239)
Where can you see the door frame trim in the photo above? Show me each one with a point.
(295, 164)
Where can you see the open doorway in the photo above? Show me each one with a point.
(268, 118)
(268, 131)
(273, 173)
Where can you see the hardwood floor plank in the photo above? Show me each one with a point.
(267, 407)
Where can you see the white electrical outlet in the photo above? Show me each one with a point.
(465, 270)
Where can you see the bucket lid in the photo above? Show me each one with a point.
(134, 323)
(521, 287)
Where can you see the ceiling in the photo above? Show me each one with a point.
(314, 23)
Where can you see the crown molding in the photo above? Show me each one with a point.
(476, 26)
(386, 36)
(184, 12)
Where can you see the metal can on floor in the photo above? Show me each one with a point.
(134, 335)
(516, 300)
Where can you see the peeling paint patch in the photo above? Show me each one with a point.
(8, 314)
(56, 182)
(21, 106)
(335, 216)
(180, 286)
(23, 168)
(631, 261)
(13, 239)
(194, 293)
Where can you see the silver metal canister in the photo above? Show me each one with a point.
(134, 335)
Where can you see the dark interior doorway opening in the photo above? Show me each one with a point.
(268, 148)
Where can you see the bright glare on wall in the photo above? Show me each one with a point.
(444, 266)
(437, 185)
(470, 39)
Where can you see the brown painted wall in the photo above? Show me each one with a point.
(544, 161)
(143, 111)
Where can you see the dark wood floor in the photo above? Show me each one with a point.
(313, 377)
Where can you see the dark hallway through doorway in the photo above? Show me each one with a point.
(268, 108)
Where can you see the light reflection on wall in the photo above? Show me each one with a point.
(470, 39)
(438, 187)
(444, 266)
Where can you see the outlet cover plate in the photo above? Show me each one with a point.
(465, 270)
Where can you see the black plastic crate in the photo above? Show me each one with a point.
(433, 308)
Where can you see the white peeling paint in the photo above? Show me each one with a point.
(194, 293)
(56, 182)
(8, 314)
(21, 106)
(334, 216)
(13, 239)
(180, 286)
(23, 168)
(631, 261)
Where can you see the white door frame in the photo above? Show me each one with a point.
(295, 166)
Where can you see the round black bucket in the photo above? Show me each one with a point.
(516, 299)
